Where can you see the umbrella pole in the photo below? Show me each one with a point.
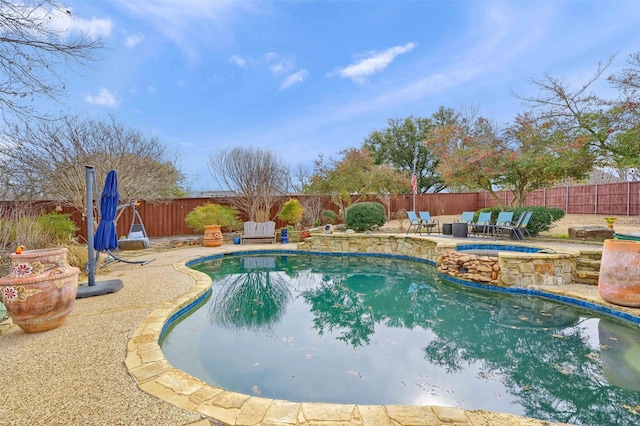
(103, 287)
(91, 265)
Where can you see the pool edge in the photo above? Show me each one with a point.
(153, 374)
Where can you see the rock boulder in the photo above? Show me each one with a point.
(590, 232)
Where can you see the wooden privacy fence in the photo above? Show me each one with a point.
(166, 218)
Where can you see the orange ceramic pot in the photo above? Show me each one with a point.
(619, 279)
(212, 236)
(41, 289)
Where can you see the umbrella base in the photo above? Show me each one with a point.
(99, 289)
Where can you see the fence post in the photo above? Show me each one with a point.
(566, 201)
(596, 201)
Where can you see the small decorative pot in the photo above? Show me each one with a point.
(236, 240)
(41, 289)
(212, 236)
(619, 278)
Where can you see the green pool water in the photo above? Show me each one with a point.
(375, 330)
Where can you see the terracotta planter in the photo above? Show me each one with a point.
(212, 236)
(40, 291)
(619, 279)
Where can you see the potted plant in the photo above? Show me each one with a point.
(211, 219)
(610, 221)
(291, 213)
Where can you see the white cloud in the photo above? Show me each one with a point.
(191, 23)
(104, 98)
(279, 65)
(151, 90)
(372, 63)
(295, 78)
(134, 39)
(239, 61)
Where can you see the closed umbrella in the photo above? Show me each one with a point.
(106, 237)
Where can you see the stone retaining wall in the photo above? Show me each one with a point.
(509, 268)
(470, 267)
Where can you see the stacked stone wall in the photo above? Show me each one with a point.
(470, 267)
(509, 268)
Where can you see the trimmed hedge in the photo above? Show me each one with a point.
(365, 216)
(542, 219)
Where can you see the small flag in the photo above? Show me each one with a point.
(414, 183)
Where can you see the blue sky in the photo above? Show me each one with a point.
(308, 77)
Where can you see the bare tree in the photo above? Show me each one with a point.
(36, 50)
(47, 160)
(609, 126)
(254, 175)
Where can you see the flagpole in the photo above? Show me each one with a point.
(415, 160)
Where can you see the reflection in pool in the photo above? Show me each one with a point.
(376, 330)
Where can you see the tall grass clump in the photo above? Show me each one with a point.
(21, 226)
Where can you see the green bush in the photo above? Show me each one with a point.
(59, 226)
(291, 212)
(329, 216)
(213, 214)
(365, 216)
(541, 220)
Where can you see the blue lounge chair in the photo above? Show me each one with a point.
(428, 223)
(467, 217)
(413, 221)
(504, 219)
(481, 226)
(516, 230)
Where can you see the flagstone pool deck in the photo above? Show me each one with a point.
(103, 366)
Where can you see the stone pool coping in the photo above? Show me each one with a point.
(153, 374)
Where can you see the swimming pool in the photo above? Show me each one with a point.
(518, 353)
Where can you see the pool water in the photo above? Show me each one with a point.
(379, 330)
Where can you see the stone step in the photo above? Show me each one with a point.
(588, 264)
(585, 277)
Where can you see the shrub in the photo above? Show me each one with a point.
(291, 211)
(365, 216)
(213, 214)
(59, 226)
(21, 228)
(329, 216)
(541, 220)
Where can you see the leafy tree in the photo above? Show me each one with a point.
(611, 127)
(355, 176)
(401, 143)
(254, 175)
(33, 44)
(539, 156)
(471, 154)
(528, 155)
(46, 159)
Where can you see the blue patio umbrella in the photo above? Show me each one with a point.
(106, 237)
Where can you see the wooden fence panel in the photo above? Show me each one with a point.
(166, 217)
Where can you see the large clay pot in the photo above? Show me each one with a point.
(40, 291)
(619, 278)
(212, 236)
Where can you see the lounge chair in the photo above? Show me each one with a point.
(516, 229)
(413, 221)
(481, 226)
(467, 217)
(259, 232)
(504, 219)
(428, 223)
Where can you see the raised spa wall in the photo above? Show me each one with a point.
(508, 268)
